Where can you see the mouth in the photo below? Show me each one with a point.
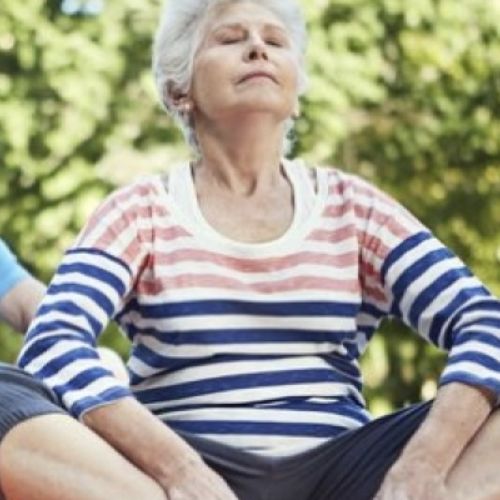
(258, 75)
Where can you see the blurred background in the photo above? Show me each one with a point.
(405, 94)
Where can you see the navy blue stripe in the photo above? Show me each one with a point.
(412, 273)
(70, 308)
(396, 254)
(251, 428)
(98, 273)
(100, 253)
(87, 292)
(235, 382)
(63, 329)
(166, 364)
(343, 365)
(244, 335)
(244, 308)
(372, 310)
(56, 365)
(346, 406)
(474, 332)
(402, 249)
(171, 364)
(458, 304)
(485, 360)
(112, 394)
(429, 294)
(473, 379)
(488, 305)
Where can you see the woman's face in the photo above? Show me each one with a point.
(245, 64)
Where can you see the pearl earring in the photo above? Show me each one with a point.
(185, 107)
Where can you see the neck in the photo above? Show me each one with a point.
(241, 158)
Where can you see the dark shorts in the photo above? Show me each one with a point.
(22, 397)
(349, 467)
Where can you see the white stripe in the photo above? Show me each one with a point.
(57, 350)
(219, 322)
(260, 415)
(247, 348)
(83, 302)
(332, 248)
(469, 367)
(97, 260)
(51, 318)
(477, 348)
(304, 271)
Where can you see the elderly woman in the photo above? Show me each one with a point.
(249, 285)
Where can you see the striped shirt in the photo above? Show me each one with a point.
(255, 345)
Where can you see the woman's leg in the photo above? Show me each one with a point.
(45, 454)
(54, 457)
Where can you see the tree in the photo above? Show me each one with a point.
(75, 99)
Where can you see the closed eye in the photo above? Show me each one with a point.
(275, 43)
(230, 40)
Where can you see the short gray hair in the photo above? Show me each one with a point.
(178, 37)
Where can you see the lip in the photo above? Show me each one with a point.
(257, 74)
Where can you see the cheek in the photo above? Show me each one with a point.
(206, 80)
(201, 84)
(293, 74)
(206, 90)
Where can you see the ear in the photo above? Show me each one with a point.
(296, 111)
(179, 100)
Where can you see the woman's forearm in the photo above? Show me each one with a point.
(455, 417)
(142, 438)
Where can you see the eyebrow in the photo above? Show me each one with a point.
(241, 26)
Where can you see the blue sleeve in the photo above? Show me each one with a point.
(11, 272)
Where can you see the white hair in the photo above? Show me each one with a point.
(178, 37)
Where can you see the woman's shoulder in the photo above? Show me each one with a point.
(142, 186)
(153, 184)
(337, 180)
(145, 190)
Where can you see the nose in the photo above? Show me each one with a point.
(257, 49)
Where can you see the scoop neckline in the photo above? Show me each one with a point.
(182, 191)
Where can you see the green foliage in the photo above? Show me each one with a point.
(405, 94)
(420, 115)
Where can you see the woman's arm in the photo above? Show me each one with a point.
(156, 450)
(458, 413)
(18, 306)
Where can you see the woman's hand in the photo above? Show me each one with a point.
(413, 480)
(423, 470)
(192, 479)
(158, 451)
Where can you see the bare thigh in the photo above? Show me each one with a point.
(54, 457)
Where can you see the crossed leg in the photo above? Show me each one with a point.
(54, 457)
